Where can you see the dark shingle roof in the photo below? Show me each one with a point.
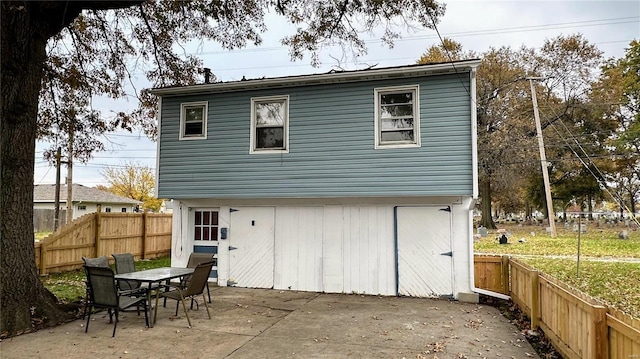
(47, 192)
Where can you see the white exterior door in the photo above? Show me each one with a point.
(424, 251)
(251, 247)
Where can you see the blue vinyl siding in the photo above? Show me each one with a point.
(331, 145)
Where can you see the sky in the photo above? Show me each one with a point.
(478, 25)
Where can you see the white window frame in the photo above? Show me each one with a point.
(416, 116)
(194, 226)
(183, 107)
(253, 139)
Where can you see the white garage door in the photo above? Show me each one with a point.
(298, 248)
(424, 251)
(251, 241)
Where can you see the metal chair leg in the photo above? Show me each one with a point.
(205, 305)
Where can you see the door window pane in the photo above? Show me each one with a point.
(205, 226)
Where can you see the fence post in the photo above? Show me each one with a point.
(505, 274)
(98, 225)
(535, 299)
(144, 232)
(601, 332)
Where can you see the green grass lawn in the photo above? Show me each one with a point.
(595, 243)
(38, 236)
(70, 287)
(616, 283)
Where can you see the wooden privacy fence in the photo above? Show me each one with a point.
(578, 326)
(145, 235)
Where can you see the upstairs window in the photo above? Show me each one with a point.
(193, 120)
(397, 119)
(270, 124)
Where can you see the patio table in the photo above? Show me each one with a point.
(156, 275)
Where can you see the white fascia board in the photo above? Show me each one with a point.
(339, 77)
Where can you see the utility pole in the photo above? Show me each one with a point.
(56, 210)
(70, 175)
(543, 159)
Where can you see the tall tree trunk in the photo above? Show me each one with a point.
(24, 299)
(485, 195)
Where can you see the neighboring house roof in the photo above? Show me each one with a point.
(315, 79)
(47, 193)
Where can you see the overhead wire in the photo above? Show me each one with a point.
(585, 23)
(555, 26)
(600, 177)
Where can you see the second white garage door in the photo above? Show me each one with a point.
(424, 251)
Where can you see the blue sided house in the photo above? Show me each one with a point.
(343, 182)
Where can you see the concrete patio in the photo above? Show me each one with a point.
(259, 323)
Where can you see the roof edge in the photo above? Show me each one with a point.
(316, 79)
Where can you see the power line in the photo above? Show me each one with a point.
(600, 178)
(555, 26)
(562, 25)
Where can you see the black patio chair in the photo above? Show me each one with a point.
(194, 260)
(198, 280)
(105, 294)
(125, 264)
(102, 262)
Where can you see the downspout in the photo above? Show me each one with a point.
(472, 202)
(471, 260)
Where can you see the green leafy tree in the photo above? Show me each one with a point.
(90, 48)
(618, 91)
(503, 117)
(448, 50)
(507, 147)
(499, 97)
(133, 181)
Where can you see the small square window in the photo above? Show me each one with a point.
(123, 209)
(270, 124)
(82, 208)
(107, 209)
(193, 120)
(397, 117)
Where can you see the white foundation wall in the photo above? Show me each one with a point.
(333, 245)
